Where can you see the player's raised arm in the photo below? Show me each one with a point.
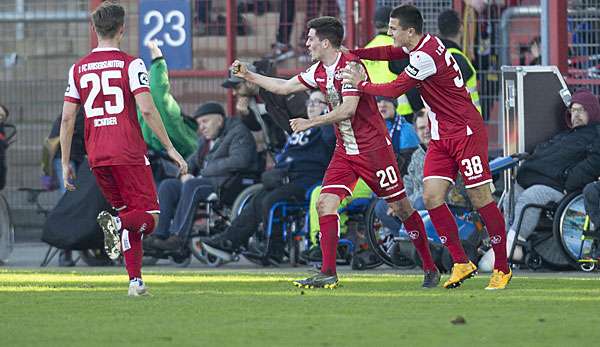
(355, 75)
(381, 53)
(274, 85)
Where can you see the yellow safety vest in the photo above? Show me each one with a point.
(379, 72)
(472, 82)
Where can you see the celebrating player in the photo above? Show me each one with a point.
(459, 139)
(363, 146)
(110, 83)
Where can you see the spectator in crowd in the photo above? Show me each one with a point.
(535, 51)
(181, 129)
(226, 149)
(450, 28)
(52, 165)
(3, 146)
(266, 114)
(387, 71)
(566, 162)
(298, 167)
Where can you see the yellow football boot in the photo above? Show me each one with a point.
(499, 280)
(460, 272)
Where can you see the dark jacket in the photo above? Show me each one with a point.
(234, 151)
(570, 159)
(78, 141)
(306, 155)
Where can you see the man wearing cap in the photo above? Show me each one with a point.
(226, 147)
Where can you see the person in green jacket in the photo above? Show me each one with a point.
(181, 130)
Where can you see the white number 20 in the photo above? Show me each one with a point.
(472, 166)
(387, 177)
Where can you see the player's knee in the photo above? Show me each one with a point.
(327, 205)
(432, 200)
(480, 196)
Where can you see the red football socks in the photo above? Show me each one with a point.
(330, 229)
(137, 221)
(494, 222)
(416, 231)
(131, 243)
(446, 227)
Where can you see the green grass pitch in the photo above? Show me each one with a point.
(249, 308)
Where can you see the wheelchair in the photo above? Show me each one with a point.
(212, 216)
(395, 249)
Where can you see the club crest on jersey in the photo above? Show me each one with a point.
(143, 78)
(411, 70)
(338, 75)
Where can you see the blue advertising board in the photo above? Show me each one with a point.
(169, 22)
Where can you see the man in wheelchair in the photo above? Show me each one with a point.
(565, 163)
(298, 167)
(226, 148)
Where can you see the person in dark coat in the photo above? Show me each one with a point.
(226, 149)
(563, 164)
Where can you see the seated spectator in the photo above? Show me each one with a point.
(566, 162)
(413, 180)
(298, 167)
(265, 113)
(226, 149)
(52, 165)
(180, 128)
(3, 146)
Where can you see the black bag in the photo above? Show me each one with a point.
(72, 222)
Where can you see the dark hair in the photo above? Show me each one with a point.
(329, 28)
(108, 18)
(382, 17)
(4, 109)
(409, 17)
(449, 23)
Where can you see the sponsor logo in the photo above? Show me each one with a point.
(443, 239)
(101, 122)
(411, 70)
(413, 234)
(320, 80)
(68, 88)
(143, 78)
(496, 239)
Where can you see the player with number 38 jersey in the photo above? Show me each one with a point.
(107, 80)
(458, 143)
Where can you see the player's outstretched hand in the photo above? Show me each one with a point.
(68, 177)
(155, 52)
(300, 124)
(353, 74)
(178, 159)
(239, 69)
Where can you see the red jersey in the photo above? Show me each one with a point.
(366, 130)
(106, 82)
(436, 75)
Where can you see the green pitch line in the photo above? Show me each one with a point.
(80, 308)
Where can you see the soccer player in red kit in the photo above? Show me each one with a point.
(109, 83)
(363, 147)
(458, 136)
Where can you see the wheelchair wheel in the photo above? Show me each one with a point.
(568, 226)
(182, 260)
(382, 242)
(243, 199)
(534, 261)
(587, 266)
(200, 253)
(7, 231)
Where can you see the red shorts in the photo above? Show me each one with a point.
(378, 168)
(128, 187)
(468, 154)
